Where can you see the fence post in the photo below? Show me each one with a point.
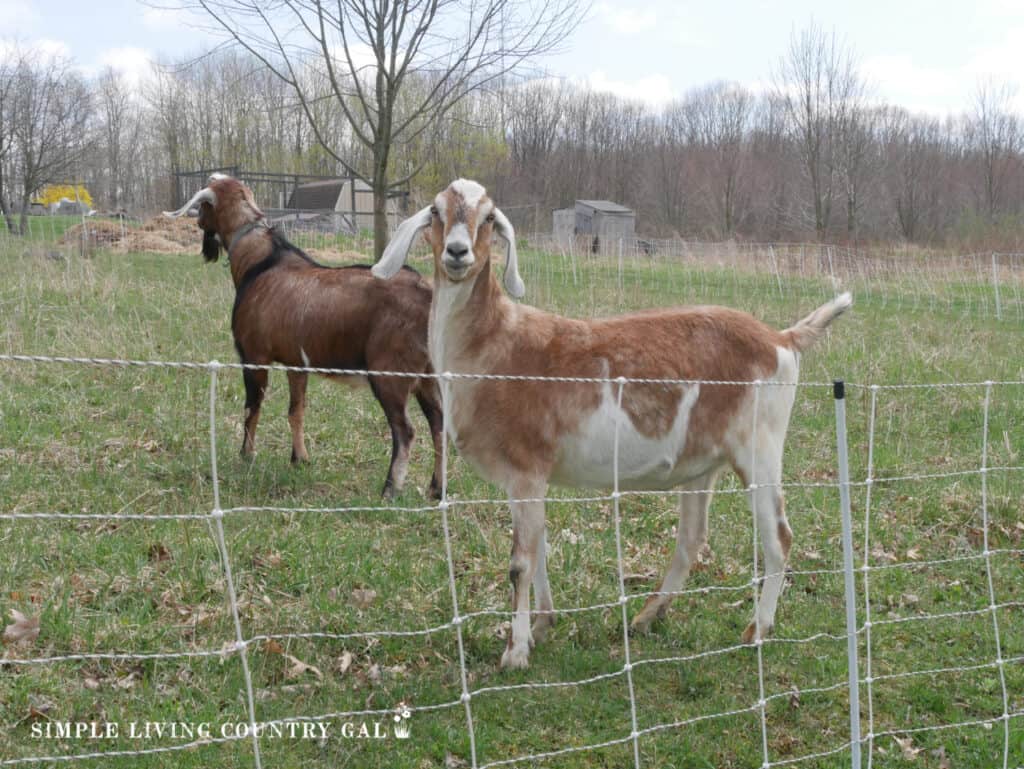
(995, 285)
(853, 668)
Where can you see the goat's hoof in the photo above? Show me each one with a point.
(641, 625)
(297, 460)
(389, 492)
(516, 658)
(247, 454)
(434, 492)
(750, 634)
(540, 628)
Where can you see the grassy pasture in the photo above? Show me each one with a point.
(98, 440)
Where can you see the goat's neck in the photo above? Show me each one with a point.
(464, 314)
(244, 258)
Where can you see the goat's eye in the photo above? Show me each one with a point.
(490, 217)
(433, 210)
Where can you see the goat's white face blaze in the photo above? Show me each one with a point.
(459, 226)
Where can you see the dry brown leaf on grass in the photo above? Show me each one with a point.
(451, 761)
(22, 630)
(363, 597)
(344, 662)
(298, 668)
(907, 747)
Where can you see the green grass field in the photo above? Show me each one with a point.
(89, 439)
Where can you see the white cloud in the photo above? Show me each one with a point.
(898, 79)
(626, 20)
(17, 15)
(655, 90)
(131, 63)
(161, 18)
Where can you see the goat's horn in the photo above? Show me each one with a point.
(205, 195)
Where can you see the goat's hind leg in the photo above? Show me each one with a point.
(776, 537)
(691, 536)
(392, 393)
(430, 404)
(296, 413)
(255, 388)
(544, 606)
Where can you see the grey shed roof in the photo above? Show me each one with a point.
(606, 206)
(316, 195)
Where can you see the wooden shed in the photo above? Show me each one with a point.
(339, 195)
(598, 225)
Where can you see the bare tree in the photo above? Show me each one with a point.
(51, 112)
(120, 130)
(997, 138)
(856, 158)
(366, 54)
(720, 115)
(10, 63)
(817, 80)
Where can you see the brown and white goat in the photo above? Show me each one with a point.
(290, 310)
(525, 435)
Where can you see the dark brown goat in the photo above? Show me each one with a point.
(290, 310)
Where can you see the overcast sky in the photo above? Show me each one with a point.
(926, 55)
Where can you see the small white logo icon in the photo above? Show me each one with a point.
(401, 719)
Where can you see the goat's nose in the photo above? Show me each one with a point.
(457, 250)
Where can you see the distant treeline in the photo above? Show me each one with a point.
(813, 157)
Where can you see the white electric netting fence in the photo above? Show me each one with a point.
(638, 272)
(861, 624)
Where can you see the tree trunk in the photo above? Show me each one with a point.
(23, 219)
(380, 216)
(5, 205)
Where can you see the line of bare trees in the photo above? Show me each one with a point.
(814, 156)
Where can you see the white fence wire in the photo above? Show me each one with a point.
(863, 734)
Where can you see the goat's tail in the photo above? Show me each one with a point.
(812, 328)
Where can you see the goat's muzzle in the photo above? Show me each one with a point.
(457, 259)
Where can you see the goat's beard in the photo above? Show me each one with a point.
(211, 246)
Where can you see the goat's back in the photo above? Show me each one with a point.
(299, 313)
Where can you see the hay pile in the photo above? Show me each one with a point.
(158, 234)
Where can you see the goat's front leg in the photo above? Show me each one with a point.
(527, 541)
(296, 412)
(255, 388)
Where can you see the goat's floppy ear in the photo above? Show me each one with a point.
(513, 283)
(397, 250)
